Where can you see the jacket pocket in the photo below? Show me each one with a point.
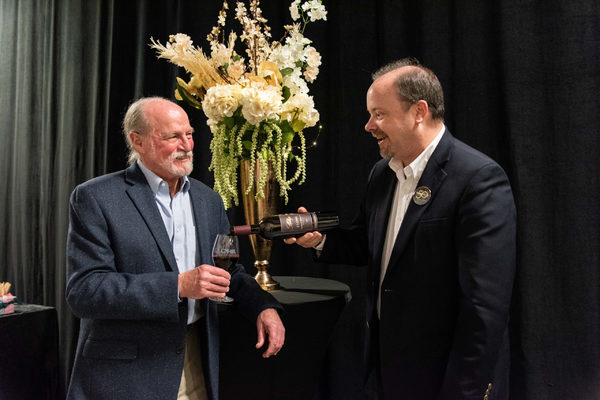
(110, 349)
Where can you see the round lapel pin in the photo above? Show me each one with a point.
(422, 195)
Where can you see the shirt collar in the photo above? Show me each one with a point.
(415, 169)
(155, 181)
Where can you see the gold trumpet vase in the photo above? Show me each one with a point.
(254, 211)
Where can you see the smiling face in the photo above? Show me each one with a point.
(391, 121)
(166, 149)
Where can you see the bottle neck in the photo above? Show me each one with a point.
(242, 230)
(328, 222)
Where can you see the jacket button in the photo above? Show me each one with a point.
(179, 350)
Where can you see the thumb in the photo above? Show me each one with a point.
(261, 338)
(290, 240)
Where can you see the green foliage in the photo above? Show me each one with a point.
(188, 97)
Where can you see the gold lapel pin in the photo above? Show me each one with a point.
(422, 195)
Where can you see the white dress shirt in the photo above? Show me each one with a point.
(179, 220)
(408, 177)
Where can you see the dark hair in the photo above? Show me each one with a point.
(419, 83)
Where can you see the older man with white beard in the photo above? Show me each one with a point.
(139, 271)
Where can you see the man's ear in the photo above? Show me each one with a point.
(421, 111)
(136, 141)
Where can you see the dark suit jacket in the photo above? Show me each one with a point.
(442, 332)
(122, 283)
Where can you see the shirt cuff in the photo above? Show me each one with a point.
(321, 244)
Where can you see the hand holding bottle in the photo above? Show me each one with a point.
(309, 239)
(287, 225)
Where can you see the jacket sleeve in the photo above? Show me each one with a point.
(250, 298)
(485, 239)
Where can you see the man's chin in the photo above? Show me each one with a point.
(183, 170)
(384, 153)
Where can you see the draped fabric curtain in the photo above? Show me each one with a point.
(522, 84)
(53, 109)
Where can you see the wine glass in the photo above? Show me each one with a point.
(225, 253)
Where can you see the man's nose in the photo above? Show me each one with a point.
(187, 143)
(370, 126)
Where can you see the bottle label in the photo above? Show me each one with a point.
(298, 223)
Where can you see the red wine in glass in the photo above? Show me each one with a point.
(226, 252)
(225, 261)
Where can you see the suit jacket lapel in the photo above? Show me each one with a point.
(432, 177)
(200, 217)
(141, 195)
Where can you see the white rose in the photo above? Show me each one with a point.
(260, 104)
(221, 101)
(301, 107)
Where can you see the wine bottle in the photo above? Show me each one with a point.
(284, 225)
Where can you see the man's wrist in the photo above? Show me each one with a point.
(321, 244)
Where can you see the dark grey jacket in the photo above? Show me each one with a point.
(122, 283)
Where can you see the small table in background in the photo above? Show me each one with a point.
(29, 353)
(312, 308)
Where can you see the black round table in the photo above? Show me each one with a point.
(29, 352)
(312, 308)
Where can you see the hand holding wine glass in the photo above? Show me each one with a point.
(226, 251)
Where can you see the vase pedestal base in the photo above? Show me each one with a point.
(263, 278)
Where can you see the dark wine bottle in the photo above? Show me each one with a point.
(284, 225)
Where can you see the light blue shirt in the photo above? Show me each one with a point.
(178, 218)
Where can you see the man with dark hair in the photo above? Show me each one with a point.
(140, 271)
(437, 229)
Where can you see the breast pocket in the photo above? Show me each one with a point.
(110, 349)
(432, 232)
(434, 246)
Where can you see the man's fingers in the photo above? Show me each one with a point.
(270, 351)
(206, 271)
(309, 239)
(269, 324)
(275, 344)
(261, 339)
(204, 281)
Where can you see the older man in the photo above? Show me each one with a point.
(437, 228)
(139, 273)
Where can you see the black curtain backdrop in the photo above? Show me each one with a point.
(522, 84)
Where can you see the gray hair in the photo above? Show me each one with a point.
(135, 120)
(418, 83)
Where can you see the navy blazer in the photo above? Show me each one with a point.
(443, 329)
(122, 283)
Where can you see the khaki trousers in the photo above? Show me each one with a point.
(192, 386)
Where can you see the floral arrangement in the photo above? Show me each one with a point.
(256, 101)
